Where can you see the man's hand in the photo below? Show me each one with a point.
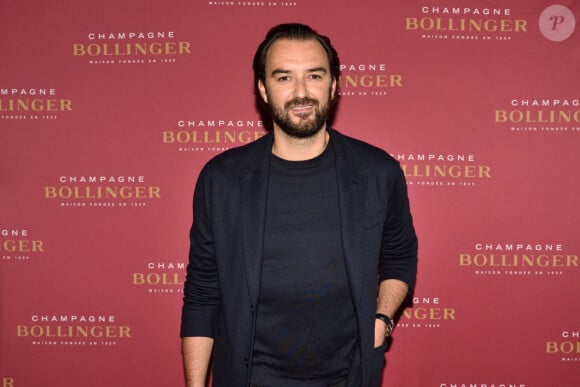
(380, 331)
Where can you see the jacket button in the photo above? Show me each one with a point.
(252, 309)
(246, 363)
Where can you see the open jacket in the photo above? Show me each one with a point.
(224, 272)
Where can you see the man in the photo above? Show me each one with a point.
(293, 235)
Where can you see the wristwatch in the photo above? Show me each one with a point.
(388, 321)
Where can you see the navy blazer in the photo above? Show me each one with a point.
(224, 271)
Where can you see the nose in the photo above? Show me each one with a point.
(300, 88)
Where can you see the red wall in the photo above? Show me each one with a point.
(108, 110)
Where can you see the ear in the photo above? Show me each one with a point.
(333, 87)
(262, 90)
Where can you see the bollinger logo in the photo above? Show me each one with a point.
(161, 277)
(540, 115)
(523, 259)
(426, 312)
(443, 170)
(466, 23)
(212, 135)
(368, 80)
(566, 346)
(99, 191)
(131, 48)
(73, 330)
(31, 103)
(17, 245)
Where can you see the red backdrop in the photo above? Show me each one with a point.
(108, 110)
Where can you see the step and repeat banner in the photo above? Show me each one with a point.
(108, 111)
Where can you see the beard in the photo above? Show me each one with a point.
(306, 126)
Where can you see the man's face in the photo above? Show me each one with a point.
(298, 86)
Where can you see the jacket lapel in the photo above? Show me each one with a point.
(351, 195)
(253, 195)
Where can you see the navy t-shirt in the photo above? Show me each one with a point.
(306, 329)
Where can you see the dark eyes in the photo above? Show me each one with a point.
(313, 76)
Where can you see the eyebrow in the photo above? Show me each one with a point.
(312, 70)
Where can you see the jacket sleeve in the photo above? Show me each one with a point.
(399, 245)
(201, 294)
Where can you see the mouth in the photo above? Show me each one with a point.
(301, 108)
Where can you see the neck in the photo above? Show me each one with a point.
(299, 149)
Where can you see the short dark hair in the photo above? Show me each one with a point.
(293, 31)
